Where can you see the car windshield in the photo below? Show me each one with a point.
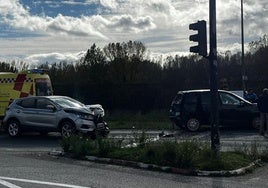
(67, 102)
(178, 98)
(43, 87)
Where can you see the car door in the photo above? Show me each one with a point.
(206, 107)
(46, 113)
(27, 113)
(233, 111)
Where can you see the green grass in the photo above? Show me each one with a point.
(156, 120)
(187, 154)
(225, 161)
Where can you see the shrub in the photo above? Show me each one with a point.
(78, 146)
(187, 154)
(105, 146)
(182, 155)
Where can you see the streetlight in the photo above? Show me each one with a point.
(215, 134)
(244, 77)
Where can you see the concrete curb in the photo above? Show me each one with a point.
(223, 173)
(237, 172)
(141, 165)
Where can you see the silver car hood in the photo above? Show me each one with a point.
(78, 110)
(96, 109)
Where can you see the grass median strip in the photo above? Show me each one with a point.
(187, 155)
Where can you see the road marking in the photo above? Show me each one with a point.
(7, 184)
(36, 182)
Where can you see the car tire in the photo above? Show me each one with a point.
(193, 124)
(67, 129)
(256, 122)
(13, 128)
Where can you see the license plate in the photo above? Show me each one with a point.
(100, 126)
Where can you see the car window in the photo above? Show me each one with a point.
(67, 102)
(205, 98)
(43, 87)
(229, 99)
(42, 103)
(190, 102)
(27, 103)
(178, 98)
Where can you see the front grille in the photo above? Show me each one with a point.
(84, 126)
(98, 119)
(100, 126)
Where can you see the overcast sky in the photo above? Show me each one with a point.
(52, 30)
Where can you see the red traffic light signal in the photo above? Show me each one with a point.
(200, 37)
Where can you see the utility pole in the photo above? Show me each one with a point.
(215, 135)
(201, 49)
(244, 77)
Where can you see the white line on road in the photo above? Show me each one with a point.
(37, 182)
(7, 184)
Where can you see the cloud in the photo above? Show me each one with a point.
(37, 59)
(229, 21)
(162, 25)
(128, 23)
(73, 26)
(163, 12)
(112, 4)
(18, 17)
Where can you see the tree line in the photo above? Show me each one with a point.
(121, 75)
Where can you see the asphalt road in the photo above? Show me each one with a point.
(30, 142)
(24, 162)
(230, 139)
(38, 170)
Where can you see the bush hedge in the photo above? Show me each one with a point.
(186, 154)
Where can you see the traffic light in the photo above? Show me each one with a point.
(200, 37)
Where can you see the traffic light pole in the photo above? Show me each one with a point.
(244, 77)
(215, 135)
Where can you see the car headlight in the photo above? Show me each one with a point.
(85, 116)
(177, 113)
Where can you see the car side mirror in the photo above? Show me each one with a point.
(51, 107)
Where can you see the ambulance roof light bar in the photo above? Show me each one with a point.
(37, 71)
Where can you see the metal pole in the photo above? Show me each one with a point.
(215, 135)
(243, 53)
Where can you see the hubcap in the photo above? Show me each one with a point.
(67, 130)
(13, 129)
(193, 124)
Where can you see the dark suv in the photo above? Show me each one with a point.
(191, 109)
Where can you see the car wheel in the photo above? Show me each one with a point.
(193, 124)
(13, 128)
(67, 129)
(256, 122)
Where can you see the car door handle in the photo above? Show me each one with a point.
(18, 111)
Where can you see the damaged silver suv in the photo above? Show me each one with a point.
(54, 114)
